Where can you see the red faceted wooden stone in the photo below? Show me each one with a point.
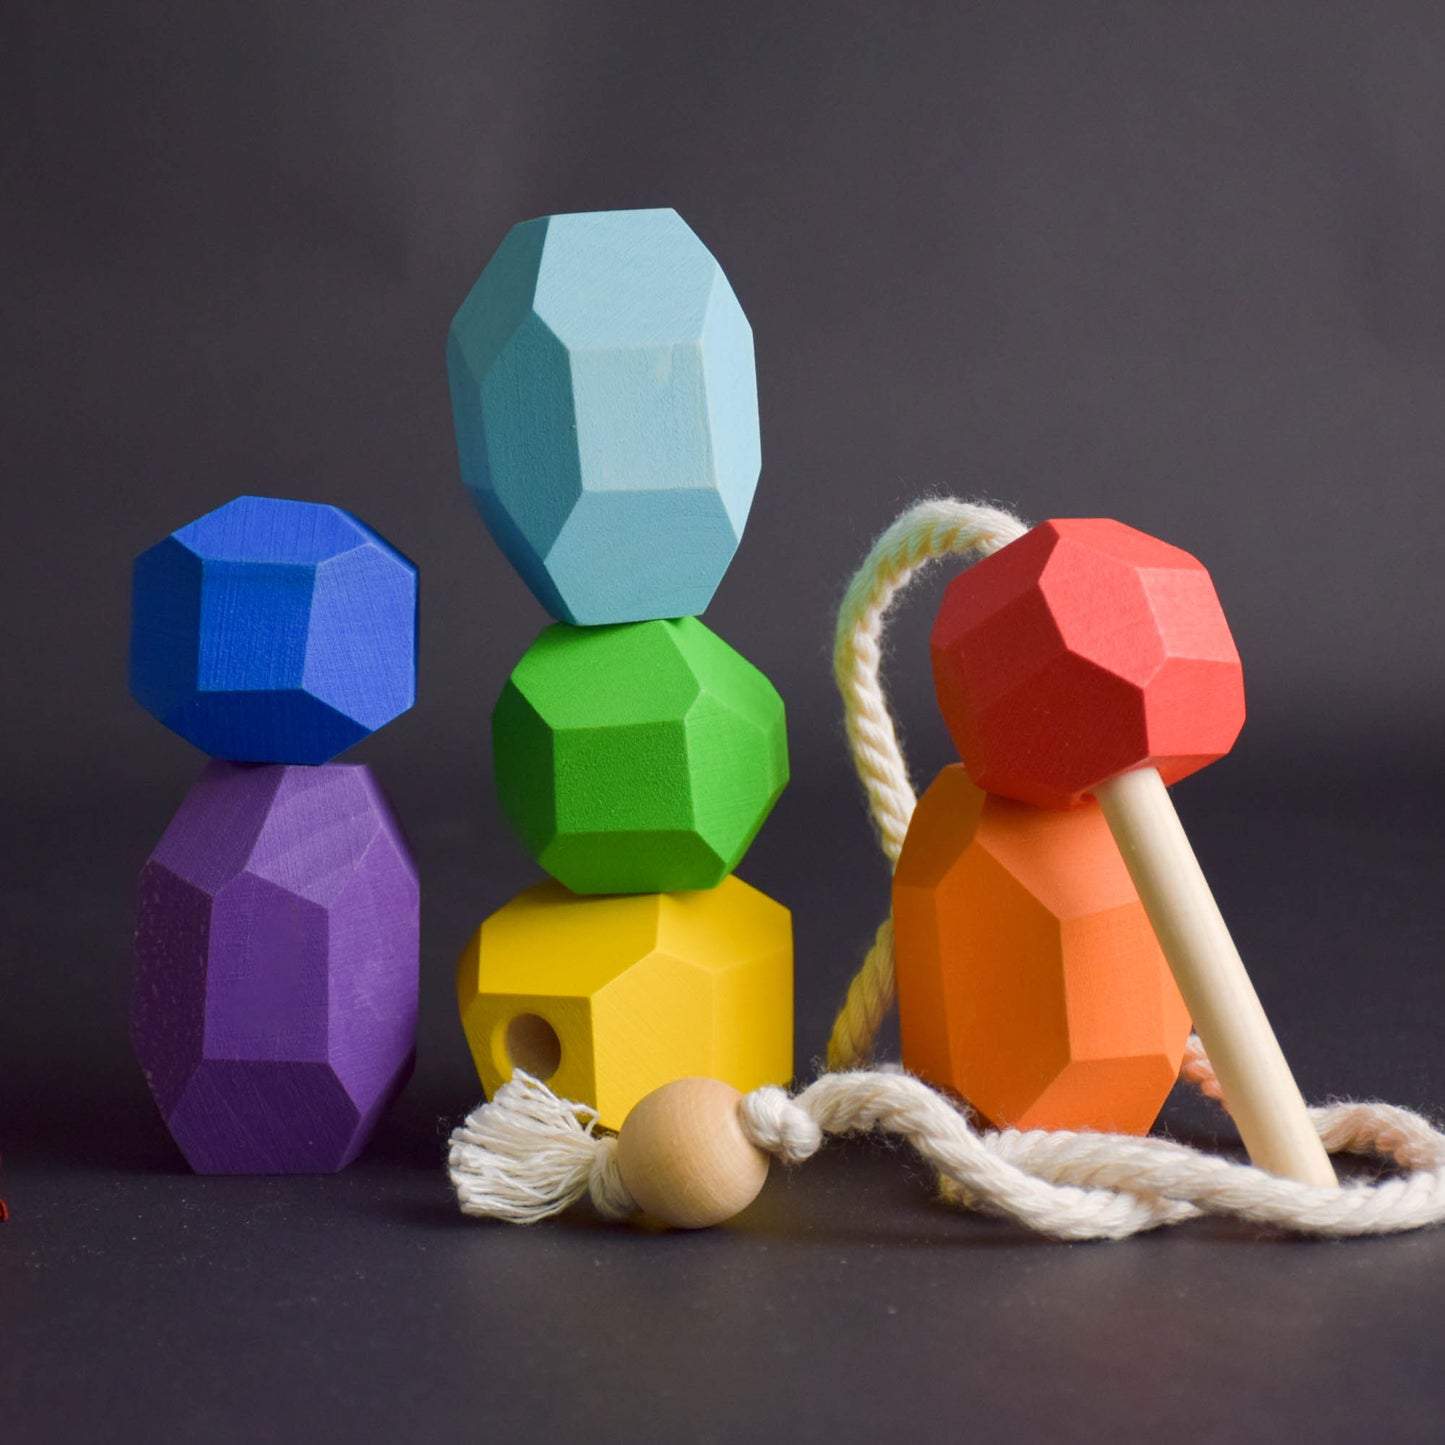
(1029, 978)
(1081, 651)
(275, 995)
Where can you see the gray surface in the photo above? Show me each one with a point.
(1176, 264)
(139, 1303)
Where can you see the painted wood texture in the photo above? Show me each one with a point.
(274, 631)
(606, 999)
(1080, 651)
(275, 992)
(605, 401)
(640, 758)
(1085, 658)
(1029, 977)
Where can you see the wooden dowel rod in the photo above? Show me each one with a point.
(1258, 1088)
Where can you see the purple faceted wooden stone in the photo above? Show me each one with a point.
(275, 999)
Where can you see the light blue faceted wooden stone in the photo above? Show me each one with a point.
(605, 399)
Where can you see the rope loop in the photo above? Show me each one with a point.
(930, 530)
(924, 534)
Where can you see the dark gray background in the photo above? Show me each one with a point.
(1180, 264)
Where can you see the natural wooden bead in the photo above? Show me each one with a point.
(684, 1157)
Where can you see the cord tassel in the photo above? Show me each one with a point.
(529, 1155)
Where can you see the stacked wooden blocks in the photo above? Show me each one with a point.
(605, 400)
(1080, 669)
(275, 995)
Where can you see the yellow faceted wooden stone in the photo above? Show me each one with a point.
(607, 998)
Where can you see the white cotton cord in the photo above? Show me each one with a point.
(528, 1155)
(924, 534)
(1189, 1183)
(867, 1003)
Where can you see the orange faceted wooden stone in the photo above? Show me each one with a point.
(1081, 651)
(1029, 978)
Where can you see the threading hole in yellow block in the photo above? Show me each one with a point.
(533, 1046)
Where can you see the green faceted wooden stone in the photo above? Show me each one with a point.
(638, 758)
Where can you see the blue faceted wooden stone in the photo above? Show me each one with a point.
(605, 400)
(273, 631)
